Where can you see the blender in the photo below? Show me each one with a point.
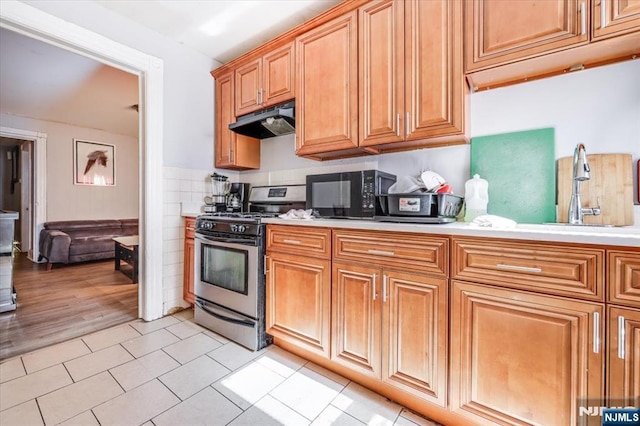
(220, 187)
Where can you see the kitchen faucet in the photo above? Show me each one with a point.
(580, 172)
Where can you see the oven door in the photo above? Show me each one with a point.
(226, 272)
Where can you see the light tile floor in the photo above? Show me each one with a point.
(173, 372)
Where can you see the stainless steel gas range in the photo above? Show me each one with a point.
(229, 265)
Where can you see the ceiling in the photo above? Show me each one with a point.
(41, 81)
(220, 29)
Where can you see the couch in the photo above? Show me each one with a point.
(73, 241)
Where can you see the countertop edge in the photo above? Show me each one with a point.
(625, 237)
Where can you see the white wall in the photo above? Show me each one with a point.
(66, 201)
(188, 86)
(599, 107)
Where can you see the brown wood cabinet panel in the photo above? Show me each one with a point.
(299, 300)
(381, 72)
(435, 88)
(279, 75)
(623, 361)
(327, 88)
(299, 240)
(520, 358)
(508, 31)
(236, 152)
(265, 81)
(416, 252)
(614, 17)
(415, 329)
(189, 256)
(623, 270)
(565, 270)
(412, 88)
(225, 114)
(248, 80)
(356, 318)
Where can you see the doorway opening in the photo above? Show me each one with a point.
(16, 170)
(35, 23)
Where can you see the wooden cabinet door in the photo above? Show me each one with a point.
(299, 301)
(623, 366)
(189, 255)
(615, 17)
(248, 80)
(507, 31)
(356, 318)
(278, 83)
(381, 78)
(520, 358)
(415, 331)
(434, 73)
(327, 87)
(232, 151)
(623, 269)
(225, 114)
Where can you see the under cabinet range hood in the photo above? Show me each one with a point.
(273, 121)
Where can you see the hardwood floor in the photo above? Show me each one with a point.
(64, 303)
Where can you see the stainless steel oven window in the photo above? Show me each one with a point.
(225, 267)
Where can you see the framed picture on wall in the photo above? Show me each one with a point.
(94, 163)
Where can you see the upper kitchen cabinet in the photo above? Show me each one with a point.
(327, 89)
(509, 42)
(411, 82)
(508, 31)
(614, 17)
(265, 81)
(232, 151)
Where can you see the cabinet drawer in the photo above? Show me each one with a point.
(565, 270)
(189, 227)
(624, 277)
(401, 250)
(300, 240)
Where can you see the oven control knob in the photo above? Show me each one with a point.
(238, 228)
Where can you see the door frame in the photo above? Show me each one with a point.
(35, 23)
(39, 209)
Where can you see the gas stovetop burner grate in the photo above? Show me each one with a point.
(247, 216)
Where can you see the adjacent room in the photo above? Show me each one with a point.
(84, 115)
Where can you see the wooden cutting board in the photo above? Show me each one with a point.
(611, 181)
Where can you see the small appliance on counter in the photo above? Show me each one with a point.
(350, 195)
(220, 187)
(238, 198)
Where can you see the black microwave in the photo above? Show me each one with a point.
(348, 194)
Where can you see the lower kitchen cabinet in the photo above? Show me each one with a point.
(189, 255)
(623, 362)
(298, 300)
(356, 334)
(523, 358)
(391, 326)
(299, 287)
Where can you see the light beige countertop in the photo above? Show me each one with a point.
(626, 236)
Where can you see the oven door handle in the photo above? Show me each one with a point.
(244, 241)
(246, 323)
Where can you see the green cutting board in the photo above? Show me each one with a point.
(521, 171)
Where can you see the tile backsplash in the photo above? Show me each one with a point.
(184, 192)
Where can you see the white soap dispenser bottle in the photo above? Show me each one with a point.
(476, 197)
